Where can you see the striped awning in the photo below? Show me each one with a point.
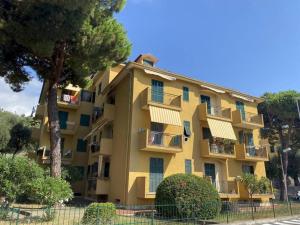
(165, 116)
(221, 129)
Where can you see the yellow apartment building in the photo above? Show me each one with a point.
(137, 124)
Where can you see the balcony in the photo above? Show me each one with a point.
(142, 188)
(43, 156)
(214, 112)
(160, 142)
(220, 149)
(68, 101)
(226, 189)
(102, 186)
(104, 114)
(160, 99)
(251, 153)
(245, 194)
(247, 120)
(69, 128)
(104, 148)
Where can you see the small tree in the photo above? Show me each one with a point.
(16, 176)
(20, 139)
(50, 191)
(255, 186)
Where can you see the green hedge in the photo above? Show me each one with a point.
(99, 213)
(187, 196)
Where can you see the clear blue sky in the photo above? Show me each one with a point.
(249, 45)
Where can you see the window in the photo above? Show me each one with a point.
(63, 118)
(157, 91)
(206, 133)
(186, 96)
(81, 145)
(210, 171)
(156, 173)
(240, 106)
(206, 99)
(187, 128)
(148, 62)
(84, 120)
(248, 169)
(86, 96)
(106, 170)
(99, 88)
(188, 166)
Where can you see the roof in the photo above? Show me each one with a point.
(134, 65)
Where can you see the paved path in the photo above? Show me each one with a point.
(284, 222)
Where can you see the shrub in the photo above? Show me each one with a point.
(51, 190)
(99, 213)
(16, 176)
(187, 196)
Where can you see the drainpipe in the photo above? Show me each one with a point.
(128, 139)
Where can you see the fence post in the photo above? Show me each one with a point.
(227, 212)
(273, 207)
(18, 216)
(152, 216)
(291, 210)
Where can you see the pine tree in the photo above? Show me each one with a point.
(63, 42)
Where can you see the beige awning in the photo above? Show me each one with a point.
(243, 97)
(221, 129)
(165, 116)
(160, 75)
(213, 89)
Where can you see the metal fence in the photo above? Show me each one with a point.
(163, 214)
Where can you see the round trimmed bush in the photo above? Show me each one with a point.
(187, 196)
(99, 213)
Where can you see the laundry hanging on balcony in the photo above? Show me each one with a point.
(221, 129)
(165, 116)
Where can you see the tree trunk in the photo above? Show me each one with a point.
(55, 139)
(58, 58)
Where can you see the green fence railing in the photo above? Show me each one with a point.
(145, 214)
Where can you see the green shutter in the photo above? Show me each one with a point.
(63, 118)
(187, 128)
(241, 107)
(84, 120)
(206, 99)
(188, 166)
(156, 173)
(157, 91)
(81, 145)
(186, 96)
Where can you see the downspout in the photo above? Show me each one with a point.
(128, 139)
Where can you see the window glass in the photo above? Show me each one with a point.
(187, 128)
(186, 94)
(188, 166)
(81, 145)
(86, 96)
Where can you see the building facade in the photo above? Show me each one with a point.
(137, 124)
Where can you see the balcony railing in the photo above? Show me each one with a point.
(164, 139)
(68, 99)
(217, 149)
(66, 156)
(103, 114)
(252, 153)
(150, 96)
(256, 151)
(247, 120)
(160, 141)
(214, 111)
(226, 189)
